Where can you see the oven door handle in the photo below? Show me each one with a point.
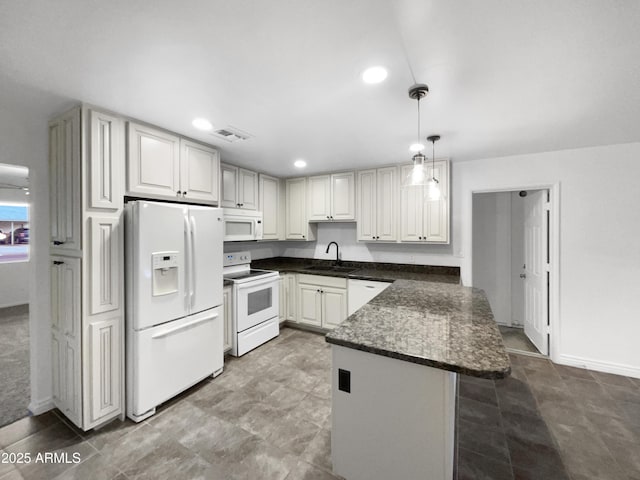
(258, 283)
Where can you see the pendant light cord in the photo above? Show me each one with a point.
(418, 119)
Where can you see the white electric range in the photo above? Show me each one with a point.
(255, 302)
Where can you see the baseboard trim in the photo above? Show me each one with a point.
(607, 367)
(41, 406)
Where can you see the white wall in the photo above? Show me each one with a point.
(599, 256)
(14, 284)
(345, 235)
(24, 113)
(14, 276)
(492, 251)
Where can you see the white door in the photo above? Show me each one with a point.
(343, 196)
(535, 272)
(169, 358)
(153, 162)
(366, 205)
(319, 198)
(296, 214)
(229, 195)
(199, 168)
(386, 207)
(247, 189)
(309, 305)
(270, 207)
(334, 306)
(205, 284)
(156, 228)
(411, 208)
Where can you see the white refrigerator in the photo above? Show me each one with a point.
(174, 320)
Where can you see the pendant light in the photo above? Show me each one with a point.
(433, 185)
(417, 175)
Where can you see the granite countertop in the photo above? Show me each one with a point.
(383, 272)
(436, 324)
(425, 317)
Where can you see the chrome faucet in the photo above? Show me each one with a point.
(337, 251)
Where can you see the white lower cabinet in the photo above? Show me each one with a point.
(66, 335)
(322, 301)
(227, 306)
(287, 297)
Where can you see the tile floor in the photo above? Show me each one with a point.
(14, 363)
(268, 417)
(515, 339)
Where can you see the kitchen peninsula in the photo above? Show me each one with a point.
(394, 375)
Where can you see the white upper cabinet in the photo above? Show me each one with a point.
(64, 171)
(319, 189)
(239, 188)
(296, 221)
(162, 165)
(199, 172)
(269, 188)
(332, 197)
(377, 204)
(422, 219)
(153, 162)
(106, 161)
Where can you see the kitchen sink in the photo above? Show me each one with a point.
(327, 268)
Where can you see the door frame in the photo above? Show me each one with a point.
(553, 251)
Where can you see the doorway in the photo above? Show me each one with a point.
(511, 257)
(14, 293)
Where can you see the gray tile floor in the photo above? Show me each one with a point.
(14, 363)
(549, 422)
(268, 417)
(514, 338)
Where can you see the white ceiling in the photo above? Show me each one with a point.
(505, 77)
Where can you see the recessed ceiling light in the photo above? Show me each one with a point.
(300, 164)
(202, 124)
(416, 147)
(374, 74)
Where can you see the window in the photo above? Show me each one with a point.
(14, 233)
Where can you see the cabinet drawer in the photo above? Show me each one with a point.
(323, 281)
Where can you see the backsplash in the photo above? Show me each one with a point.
(345, 235)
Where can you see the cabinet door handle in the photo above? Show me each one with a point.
(328, 216)
(302, 236)
(57, 262)
(184, 194)
(57, 242)
(179, 193)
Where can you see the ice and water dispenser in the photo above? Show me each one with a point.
(165, 273)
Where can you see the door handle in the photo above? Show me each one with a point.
(170, 331)
(523, 275)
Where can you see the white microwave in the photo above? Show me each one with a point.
(242, 225)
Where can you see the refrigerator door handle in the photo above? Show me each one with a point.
(169, 331)
(192, 286)
(187, 263)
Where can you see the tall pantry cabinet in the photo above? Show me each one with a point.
(87, 162)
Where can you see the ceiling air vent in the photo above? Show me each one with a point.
(231, 134)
